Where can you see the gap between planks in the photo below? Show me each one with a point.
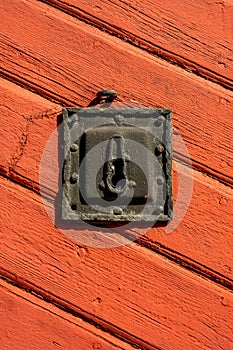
(50, 313)
(198, 166)
(75, 76)
(180, 259)
(143, 44)
(130, 340)
(133, 283)
(40, 112)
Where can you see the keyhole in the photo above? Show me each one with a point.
(115, 174)
(118, 179)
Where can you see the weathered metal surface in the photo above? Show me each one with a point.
(117, 164)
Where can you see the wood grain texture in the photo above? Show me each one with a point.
(130, 290)
(206, 229)
(17, 108)
(196, 35)
(66, 60)
(28, 322)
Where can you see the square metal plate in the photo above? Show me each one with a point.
(117, 164)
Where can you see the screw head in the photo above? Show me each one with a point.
(106, 92)
(119, 118)
(117, 211)
(158, 210)
(73, 117)
(159, 148)
(107, 95)
(74, 147)
(160, 180)
(132, 184)
(159, 121)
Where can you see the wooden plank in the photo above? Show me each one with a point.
(129, 290)
(196, 35)
(30, 323)
(17, 107)
(59, 59)
(203, 233)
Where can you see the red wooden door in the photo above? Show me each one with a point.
(163, 291)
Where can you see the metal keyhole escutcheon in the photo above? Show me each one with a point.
(133, 157)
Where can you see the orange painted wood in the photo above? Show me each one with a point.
(131, 291)
(206, 229)
(204, 233)
(17, 106)
(195, 34)
(30, 323)
(66, 60)
(19, 109)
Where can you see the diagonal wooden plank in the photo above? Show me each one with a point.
(129, 290)
(196, 35)
(202, 235)
(17, 107)
(28, 322)
(59, 59)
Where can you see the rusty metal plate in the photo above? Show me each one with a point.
(117, 164)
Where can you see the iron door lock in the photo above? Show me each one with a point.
(117, 164)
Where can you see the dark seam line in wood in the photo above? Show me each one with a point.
(28, 85)
(50, 96)
(74, 310)
(144, 45)
(178, 258)
(204, 169)
(187, 263)
(50, 311)
(7, 175)
(222, 178)
(26, 183)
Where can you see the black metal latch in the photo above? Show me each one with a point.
(117, 164)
